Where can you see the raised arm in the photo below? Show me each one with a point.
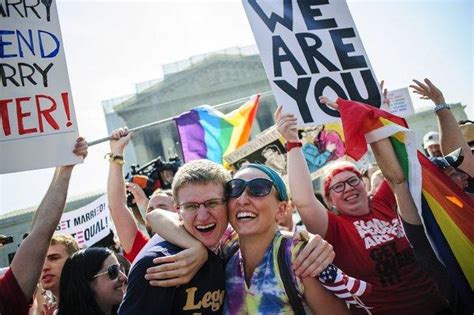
(393, 173)
(123, 219)
(450, 133)
(29, 258)
(312, 212)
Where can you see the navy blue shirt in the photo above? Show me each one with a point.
(204, 294)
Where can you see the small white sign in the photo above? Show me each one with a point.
(88, 224)
(310, 49)
(400, 102)
(38, 125)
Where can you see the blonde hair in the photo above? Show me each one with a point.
(67, 241)
(199, 172)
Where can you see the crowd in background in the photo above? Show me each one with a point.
(239, 243)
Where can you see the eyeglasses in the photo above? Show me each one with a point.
(191, 207)
(113, 272)
(258, 187)
(341, 186)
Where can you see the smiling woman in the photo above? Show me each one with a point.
(254, 283)
(367, 235)
(92, 282)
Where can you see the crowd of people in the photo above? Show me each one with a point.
(228, 243)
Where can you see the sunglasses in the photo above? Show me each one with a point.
(113, 272)
(341, 186)
(258, 187)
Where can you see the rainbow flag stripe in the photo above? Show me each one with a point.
(446, 212)
(206, 133)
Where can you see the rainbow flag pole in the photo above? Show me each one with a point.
(206, 133)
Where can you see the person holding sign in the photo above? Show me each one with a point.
(367, 235)
(18, 284)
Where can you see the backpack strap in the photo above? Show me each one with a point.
(287, 280)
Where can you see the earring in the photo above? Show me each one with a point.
(334, 209)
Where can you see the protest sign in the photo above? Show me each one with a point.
(311, 48)
(38, 126)
(321, 144)
(88, 224)
(400, 102)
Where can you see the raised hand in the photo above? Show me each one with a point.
(428, 91)
(120, 139)
(138, 194)
(328, 102)
(80, 147)
(286, 125)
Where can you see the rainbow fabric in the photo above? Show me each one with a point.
(446, 212)
(206, 133)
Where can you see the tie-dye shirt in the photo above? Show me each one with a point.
(266, 294)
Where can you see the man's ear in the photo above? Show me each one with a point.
(176, 209)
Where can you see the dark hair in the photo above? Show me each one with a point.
(75, 293)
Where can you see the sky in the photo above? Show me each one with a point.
(112, 45)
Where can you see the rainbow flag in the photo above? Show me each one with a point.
(206, 133)
(446, 211)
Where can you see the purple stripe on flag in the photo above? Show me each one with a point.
(191, 135)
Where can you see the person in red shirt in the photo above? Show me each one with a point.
(366, 234)
(18, 284)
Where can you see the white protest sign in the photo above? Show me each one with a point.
(311, 48)
(38, 126)
(88, 224)
(400, 102)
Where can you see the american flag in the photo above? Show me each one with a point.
(344, 287)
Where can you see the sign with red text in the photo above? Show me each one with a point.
(38, 126)
(88, 224)
(308, 49)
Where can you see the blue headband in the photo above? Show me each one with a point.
(274, 176)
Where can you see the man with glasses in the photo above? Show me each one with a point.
(198, 190)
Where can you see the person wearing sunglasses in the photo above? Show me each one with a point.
(254, 285)
(367, 235)
(92, 282)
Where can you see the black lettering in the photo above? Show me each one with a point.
(23, 68)
(8, 77)
(299, 95)
(343, 50)
(32, 8)
(278, 43)
(373, 92)
(43, 72)
(309, 15)
(270, 22)
(14, 6)
(319, 88)
(312, 54)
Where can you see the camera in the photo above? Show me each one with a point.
(152, 176)
(4, 240)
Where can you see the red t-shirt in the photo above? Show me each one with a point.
(12, 299)
(140, 241)
(374, 248)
